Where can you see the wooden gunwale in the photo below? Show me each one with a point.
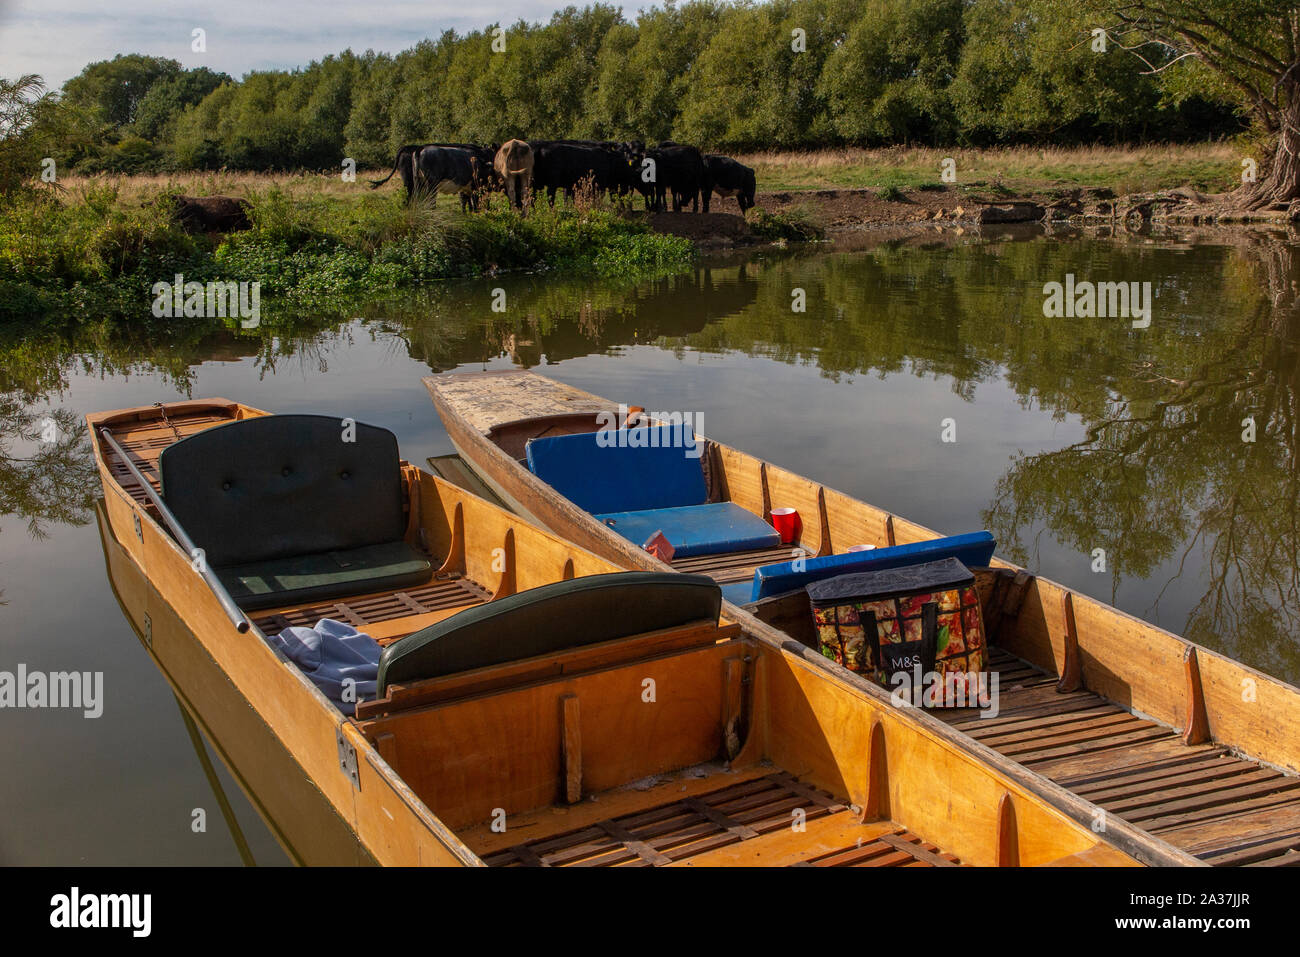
(394, 824)
(1044, 628)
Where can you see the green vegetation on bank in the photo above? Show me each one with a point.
(99, 252)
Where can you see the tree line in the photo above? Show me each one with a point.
(785, 74)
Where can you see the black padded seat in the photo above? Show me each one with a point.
(552, 618)
(288, 511)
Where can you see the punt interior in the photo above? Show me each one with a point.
(690, 744)
(1196, 765)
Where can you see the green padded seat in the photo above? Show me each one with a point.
(549, 619)
(290, 509)
(306, 578)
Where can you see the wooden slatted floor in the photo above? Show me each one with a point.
(749, 821)
(144, 442)
(735, 566)
(436, 596)
(1221, 808)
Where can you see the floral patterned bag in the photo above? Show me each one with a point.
(920, 620)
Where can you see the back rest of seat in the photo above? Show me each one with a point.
(283, 485)
(551, 618)
(974, 549)
(623, 470)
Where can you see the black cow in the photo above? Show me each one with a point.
(454, 169)
(726, 177)
(563, 164)
(407, 164)
(679, 170)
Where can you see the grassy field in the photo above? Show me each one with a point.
(1209, 167)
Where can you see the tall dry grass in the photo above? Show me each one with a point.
(1126, 169)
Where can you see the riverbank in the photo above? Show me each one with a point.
(101, 249)
(100, 244)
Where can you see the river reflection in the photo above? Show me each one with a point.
(1152, 467)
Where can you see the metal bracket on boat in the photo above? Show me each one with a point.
(139, 532)
(148, 631)
(347, 758)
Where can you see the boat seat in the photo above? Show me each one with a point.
(294, 508)
(551, 618)
(308, 578)
(697, 529)
(631, 476)
(974, 549)
(651, 480)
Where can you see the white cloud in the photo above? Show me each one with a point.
(57, 38)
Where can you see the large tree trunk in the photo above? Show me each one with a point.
(1280, 184)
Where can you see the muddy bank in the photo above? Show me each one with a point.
(840, 211)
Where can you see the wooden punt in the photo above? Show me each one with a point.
(746, 752)
(1179, 747)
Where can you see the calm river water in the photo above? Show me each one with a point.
(1155, 468)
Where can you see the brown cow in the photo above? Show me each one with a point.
(514, 165)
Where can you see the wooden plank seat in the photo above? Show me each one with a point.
(294, 509)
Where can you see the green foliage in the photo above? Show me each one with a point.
(168, 97)
(887, 82)
(789, 226)
(96, 255)
(781, 74)
(113, 89)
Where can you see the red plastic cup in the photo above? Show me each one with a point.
(786, 522)
(659, 546)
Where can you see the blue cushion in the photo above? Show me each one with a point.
(626, 477)
(698, 529)
(975, 548)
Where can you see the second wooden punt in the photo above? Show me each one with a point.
(1195, 753)
(690, 744)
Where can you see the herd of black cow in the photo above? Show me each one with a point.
(521, 169)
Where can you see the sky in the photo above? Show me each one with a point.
(57, 38)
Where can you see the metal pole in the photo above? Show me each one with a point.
(233, 611)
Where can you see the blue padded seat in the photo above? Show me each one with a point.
(629, 477)
(697, 529)
(287, 511)
(973, 549)
(652, 480)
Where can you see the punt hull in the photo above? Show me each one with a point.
(304, 823)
